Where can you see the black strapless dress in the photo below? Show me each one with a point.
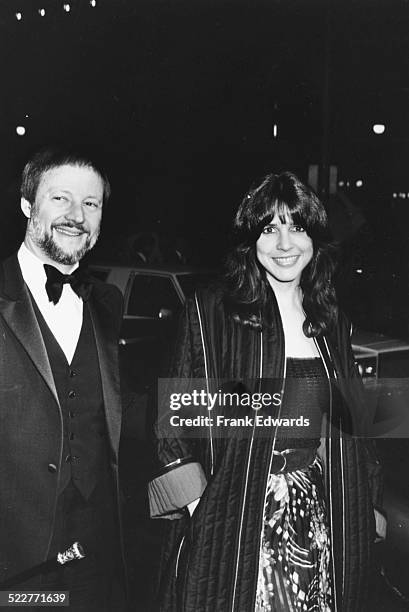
(294, 570)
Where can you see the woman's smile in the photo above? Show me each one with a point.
(286, 261)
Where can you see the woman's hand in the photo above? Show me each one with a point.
(380, 526)
(192, 506)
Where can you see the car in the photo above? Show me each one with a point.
(379, 356)
(384, 366)
(383, 363)
(153, 300)
(152, 293)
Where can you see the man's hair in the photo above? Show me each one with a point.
(49, 158)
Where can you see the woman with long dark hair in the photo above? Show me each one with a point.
(273, 498)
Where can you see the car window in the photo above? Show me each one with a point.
(394, 364)
(150, 294)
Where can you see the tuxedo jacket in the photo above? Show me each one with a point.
(31, 422)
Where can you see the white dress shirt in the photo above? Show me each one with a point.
(65, 318)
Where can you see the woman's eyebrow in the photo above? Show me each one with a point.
(279, 224)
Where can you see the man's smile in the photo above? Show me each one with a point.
(73, 232)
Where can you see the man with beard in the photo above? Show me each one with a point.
(60, 412)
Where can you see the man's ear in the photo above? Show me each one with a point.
(25, 207)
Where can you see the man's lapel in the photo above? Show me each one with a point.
(107, 346)
(18, 313)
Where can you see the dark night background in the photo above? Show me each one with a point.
(181, 98)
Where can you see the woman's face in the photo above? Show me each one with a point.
(284, 250)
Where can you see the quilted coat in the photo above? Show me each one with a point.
(210, 560)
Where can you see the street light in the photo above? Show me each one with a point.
(378, 128)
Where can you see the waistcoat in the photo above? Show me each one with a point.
(79, 389)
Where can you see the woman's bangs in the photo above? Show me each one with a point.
(296, 213)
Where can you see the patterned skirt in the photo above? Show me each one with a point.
(294, 570)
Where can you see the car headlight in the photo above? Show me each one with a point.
(367, 367)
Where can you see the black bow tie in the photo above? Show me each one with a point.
(79, 281)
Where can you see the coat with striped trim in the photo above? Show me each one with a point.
(210, 561)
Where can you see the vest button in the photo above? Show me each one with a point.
(68, 459)
(71, 414)
(73, 373)
(71, 394)
(52, 468)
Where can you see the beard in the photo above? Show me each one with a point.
(46, 242)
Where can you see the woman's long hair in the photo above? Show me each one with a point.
(247, 284)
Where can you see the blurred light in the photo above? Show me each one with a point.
(402, 195)
(340, 183)
(359, 270)
(347, 183)
(359, 183)
(395, 195)
(275, 130)
(67, 8)
(21, 130)
(19, 16)
(367, 368)
(93, 3)
(41, 12)
(378, 128)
